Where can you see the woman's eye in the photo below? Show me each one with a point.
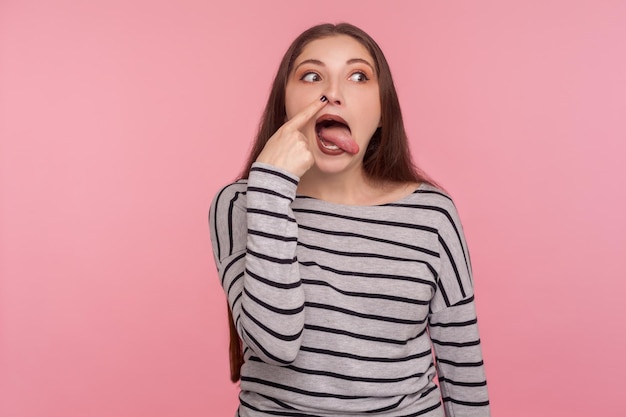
(310, 77)
(358, 77)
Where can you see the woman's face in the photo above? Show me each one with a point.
(340, 68)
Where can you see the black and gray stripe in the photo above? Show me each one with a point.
(340, 307)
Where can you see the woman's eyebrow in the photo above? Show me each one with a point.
(360, 61)
(349, 62)
(310, 61)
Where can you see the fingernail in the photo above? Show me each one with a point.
(323, 99)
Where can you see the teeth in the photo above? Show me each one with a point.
(330, 146)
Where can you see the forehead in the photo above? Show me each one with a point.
(338, 47)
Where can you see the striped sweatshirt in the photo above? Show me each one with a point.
(340, 308)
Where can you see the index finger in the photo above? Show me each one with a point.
(299, 120)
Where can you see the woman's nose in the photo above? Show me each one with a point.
(334, 99)
(334, 94)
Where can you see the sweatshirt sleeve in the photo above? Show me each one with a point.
(453, 326)
(254, 236)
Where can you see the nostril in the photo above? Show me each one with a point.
(334, 99)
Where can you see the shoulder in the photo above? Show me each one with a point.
(435, 204)
(227, 213)
(432, 194)
(227, 222)
(230, 195)
(447, 221)
(232, 189)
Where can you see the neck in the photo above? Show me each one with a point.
(343, 188)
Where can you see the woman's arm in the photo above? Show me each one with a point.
(254, 236)
(453, 326)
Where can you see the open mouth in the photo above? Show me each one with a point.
(334, 134)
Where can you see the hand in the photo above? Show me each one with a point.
(288, 149)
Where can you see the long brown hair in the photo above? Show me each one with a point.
(387, 156)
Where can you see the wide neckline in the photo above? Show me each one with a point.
(400, 200)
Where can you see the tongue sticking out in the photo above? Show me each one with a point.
(339, 135)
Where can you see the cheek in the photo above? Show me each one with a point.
(368, 100)
(296, 99)
(373, 110)
(291, 105)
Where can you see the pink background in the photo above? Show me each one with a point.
(119, 121)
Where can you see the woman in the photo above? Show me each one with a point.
(343, 265)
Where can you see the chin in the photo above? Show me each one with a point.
(335, 165)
